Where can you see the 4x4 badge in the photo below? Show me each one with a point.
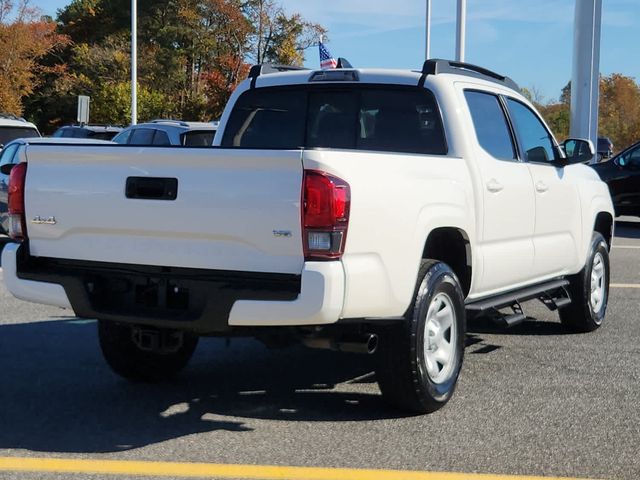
(44, 221)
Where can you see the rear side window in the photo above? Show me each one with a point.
(490, 125)
(362, 118)
(161, 138)
(196, 138)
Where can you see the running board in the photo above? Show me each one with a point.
(521, 295)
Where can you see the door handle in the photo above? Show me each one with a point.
(541, 187)
(152, 188)
(494, 186)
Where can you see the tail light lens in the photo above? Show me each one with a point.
(17, 219)
(325, 215)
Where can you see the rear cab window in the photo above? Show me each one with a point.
(359, 117)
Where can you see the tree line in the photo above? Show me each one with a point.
(191, 55)
(618, 110)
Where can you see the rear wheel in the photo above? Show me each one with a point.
(589, 290)
(420, 359)
(144, 353)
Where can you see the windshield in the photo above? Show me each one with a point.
(196, 138)
(8, 134)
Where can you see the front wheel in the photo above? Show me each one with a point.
(589, 290)
(144, 354)
(419, 360)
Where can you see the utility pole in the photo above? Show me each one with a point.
(134, 62)
(461, 29)
(585, 77)
(427, 46)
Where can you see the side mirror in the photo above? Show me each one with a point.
(6, 168)
(578, 150)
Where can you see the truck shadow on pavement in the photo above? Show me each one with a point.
(58, 395)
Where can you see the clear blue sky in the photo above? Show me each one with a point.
(529, 40)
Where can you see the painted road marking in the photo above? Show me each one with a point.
(261, 472)
(626, 246)
(624, 285)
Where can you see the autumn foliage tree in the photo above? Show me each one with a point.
(618, 110)
(191, 56)
(25, 38)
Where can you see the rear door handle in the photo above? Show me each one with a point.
(541, 187)
(494, 186)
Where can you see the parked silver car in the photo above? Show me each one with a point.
(169, 132)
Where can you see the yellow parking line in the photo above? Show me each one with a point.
(624, 285)
(207, 470)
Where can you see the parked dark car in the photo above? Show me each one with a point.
(622, 175)
(605, 148)
(95, 132)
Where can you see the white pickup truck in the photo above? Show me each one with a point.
(355, 209)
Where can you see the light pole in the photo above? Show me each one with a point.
(134, 62)
(427, 46)
(461, 29)
(585, 77)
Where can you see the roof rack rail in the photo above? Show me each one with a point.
(182, 123)
(266, 68)
(436, 65)
(11, 116)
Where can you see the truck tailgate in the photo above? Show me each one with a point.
(233, 209)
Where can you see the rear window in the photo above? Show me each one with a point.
(362, 118)
(141, 136)
(11, 133)
(102, 135)
(196, 138)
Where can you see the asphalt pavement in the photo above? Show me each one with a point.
(532, 400)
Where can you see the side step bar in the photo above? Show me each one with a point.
(553, 294)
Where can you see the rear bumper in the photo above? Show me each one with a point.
(29, 290)
(202, 301)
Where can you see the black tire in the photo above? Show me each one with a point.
(126, 359)
(402, 372)
(581, 315)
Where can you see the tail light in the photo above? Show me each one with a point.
(325, 215)
(17, 219)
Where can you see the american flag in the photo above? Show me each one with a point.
(326, 60)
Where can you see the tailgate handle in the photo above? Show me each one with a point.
(152, 188)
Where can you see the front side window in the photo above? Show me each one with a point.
(7, 158)
(347, 117)
(490, 124)
(535, 140)
(632, 157)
